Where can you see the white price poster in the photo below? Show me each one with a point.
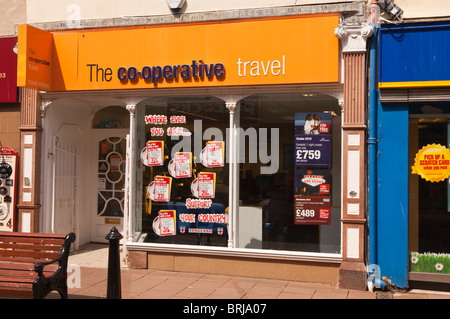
(167, 222)
(206, 185)
(155, 153)
(213, 154)
(159, 189)
(181, 165)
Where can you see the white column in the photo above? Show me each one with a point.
(130, 176)
(232, 196)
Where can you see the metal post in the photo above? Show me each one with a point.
(114, 290)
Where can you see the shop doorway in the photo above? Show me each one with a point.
(109, 158)
(429, 202)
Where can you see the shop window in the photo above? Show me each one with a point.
(429, 190)
(183, 174)
(111, 117)
(290, 173)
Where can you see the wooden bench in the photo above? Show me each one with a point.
(34, 264)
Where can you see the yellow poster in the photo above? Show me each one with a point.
(432, 163)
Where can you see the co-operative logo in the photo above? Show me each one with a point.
(195, 71)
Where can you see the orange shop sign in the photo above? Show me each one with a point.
(289, 50)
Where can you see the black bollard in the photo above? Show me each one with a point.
(114, 290)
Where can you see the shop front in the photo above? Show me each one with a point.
(216, 147)
(413, 166)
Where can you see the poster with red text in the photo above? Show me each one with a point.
(213, 155)
(204, 185)
(181, 165)
(159, 189)
(155, 153)
(167, 222)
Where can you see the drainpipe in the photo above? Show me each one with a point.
(374, 278)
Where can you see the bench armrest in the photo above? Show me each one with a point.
(61, 259)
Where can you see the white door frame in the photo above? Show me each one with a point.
(97, 228)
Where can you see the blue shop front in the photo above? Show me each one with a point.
(409, 239)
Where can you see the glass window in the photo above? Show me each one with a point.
(111, 117)
(290, 173)
(182, 177)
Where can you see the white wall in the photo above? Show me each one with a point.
(62, 10)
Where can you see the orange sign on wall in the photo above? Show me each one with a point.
(287, 50)
(34, 58)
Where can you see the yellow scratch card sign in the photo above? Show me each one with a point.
(432, 163)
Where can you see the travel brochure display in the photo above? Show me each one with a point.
(312, 177)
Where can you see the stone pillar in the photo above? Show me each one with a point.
(28, 206)
(352, 273)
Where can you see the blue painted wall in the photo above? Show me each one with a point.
(392, 197)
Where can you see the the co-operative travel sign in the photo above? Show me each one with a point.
(287, 50)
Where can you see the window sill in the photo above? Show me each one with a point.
(236, 252)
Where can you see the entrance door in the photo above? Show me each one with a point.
(109, 157)
(429, 201)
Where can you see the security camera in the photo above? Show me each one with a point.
(391, 9)
(176, 5)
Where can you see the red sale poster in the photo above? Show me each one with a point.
(204, 186)
(181, 165)
(213, 154)
(159, 189)
(167, 222)
(155, 153)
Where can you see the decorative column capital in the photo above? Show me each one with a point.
(131, 108)
(354, 37)
(231, 106)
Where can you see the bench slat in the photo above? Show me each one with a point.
(32, 240)
(27, 253)
(26, 246)
(16, 292)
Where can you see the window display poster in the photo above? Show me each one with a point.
(312, 210)
(213, 155)
(181, 165)
(159, 189)
(432, 163)
(204, 185)
(312, 182)
(167, 222)
(155, 153)
(313, 140)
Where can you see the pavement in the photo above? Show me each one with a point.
(88, 272)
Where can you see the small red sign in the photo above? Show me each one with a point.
(8, 70)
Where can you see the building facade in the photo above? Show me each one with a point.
(218, 137)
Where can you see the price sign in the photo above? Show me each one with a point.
(312, 210)
(159, 189)
(312, 140)
(155, 153)
(213, 155)
(167, 222)
(206, 185)
(183, 164)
